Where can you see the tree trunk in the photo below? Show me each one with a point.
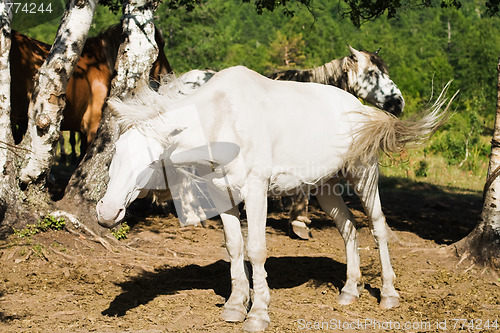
(8, 191)
(134, 61)
(6, 141)
(48, 98)
(483, 243)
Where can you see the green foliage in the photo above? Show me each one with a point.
(462, 141)
(113, 5)
(423, 169)
(189, 5)
(287, 50)
(270, 5)
(361, 11)
(121, 232)
(49, 222)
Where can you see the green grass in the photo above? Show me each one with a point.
(420, 165)
(121, 232)
(67, 144)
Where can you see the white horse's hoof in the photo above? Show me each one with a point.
(346, 299)
(233, 316)
(389, 302)
(255, 325)
(300, 229)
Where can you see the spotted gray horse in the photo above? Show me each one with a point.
(363, 74)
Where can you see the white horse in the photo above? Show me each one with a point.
(260, 121)
(363, 74)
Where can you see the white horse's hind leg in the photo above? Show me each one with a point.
(256, 207)
(334, 206)
(366, 183)
(235, 309)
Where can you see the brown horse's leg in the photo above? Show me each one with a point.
(83, 146)
(72, 141)
(63, 150)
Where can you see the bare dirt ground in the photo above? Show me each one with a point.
(164, 278)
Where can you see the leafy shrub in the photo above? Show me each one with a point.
(423, 169)
(47, 223)
(460, 142)
(121, 232)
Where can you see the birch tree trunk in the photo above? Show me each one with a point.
(134, 61)
(8, 189)
(483, 243)
(5, 134)
(48, 98)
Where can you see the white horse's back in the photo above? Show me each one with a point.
(230, 111)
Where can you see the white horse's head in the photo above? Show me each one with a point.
(132, 169)
(368, 79)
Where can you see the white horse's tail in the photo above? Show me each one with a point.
(382, 131)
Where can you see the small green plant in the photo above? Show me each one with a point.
(47, 223)
(423, 169)
(121, 232)
(38, 250)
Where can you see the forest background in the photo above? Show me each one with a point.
(423, 49)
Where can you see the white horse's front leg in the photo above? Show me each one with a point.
(256, 207)
(334, 206)
(235, 309)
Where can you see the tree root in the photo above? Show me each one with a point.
(75, 222)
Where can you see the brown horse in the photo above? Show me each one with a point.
(88, 87)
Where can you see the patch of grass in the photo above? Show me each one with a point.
(121, 232)
(415, 164)
(38, 250)
(49, 222)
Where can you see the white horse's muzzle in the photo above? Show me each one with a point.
(109, 214)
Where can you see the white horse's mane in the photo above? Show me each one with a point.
(145, 109)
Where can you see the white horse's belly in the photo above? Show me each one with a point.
(291, 182)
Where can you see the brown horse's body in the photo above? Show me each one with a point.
(88, 87)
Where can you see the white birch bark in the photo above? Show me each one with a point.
(11, 196)
(48, 99)
(139, 50)
(5, 133)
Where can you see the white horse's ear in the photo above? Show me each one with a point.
(355, 53)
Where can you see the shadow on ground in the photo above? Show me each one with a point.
(442, 214)
(282, 273)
